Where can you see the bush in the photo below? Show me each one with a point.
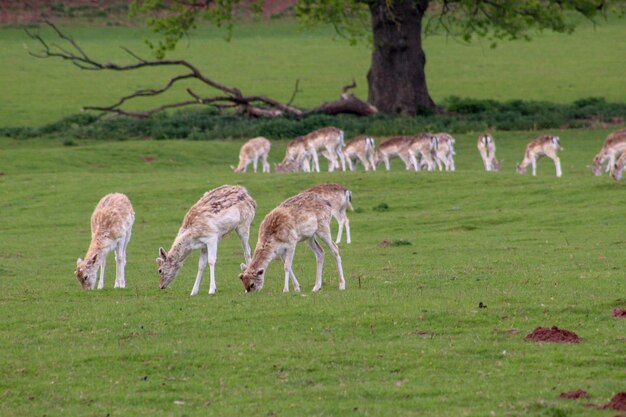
(462, 115)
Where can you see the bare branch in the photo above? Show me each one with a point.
(232, 98)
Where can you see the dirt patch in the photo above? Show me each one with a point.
(618, 402)
(579, 393)
(619, 312)
(554, 334)
(149, 159)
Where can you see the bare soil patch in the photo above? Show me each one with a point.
(554, 334)
(579, 393)
(618, 402)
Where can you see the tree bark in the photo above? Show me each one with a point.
(397, 78)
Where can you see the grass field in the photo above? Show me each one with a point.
(406, 338)
(268, 59)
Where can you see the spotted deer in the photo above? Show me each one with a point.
(217, 213)
(613, 147)
(250, 153)
(297, 157)
(304, 217)
(487, 147)
(444, 154)
(618, 168)
(111, 227)
(329, 140)
(339, 198)
(361, 148)
(421, 150)
(544, 145)
(395, 147)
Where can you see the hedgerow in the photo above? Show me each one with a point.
(461, 115)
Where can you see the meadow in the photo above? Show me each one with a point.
(406, 338)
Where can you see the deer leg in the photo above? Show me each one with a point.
(212, 255)
(372, 161)
(333, 163)
(342, 158)
(255, 163)
(533, 162)
(485, 158)
(340, 230)
(319, 257)
(266, 165)
(557, 164)
(288, 261)
(202, 263)
(346, 223)
(349, 162)
(316, 162)
(120, 262)
(324, 234)
(243, 231)
(103, 264)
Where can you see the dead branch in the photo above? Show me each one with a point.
(348, 103)
(229, 97)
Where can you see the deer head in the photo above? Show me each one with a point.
(86, 271)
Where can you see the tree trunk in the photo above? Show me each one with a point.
(397, 81)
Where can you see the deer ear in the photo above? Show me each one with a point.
(92, 260)
(243, 267)
(78, 261)
(162, 254)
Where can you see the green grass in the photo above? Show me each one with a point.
(268, 59)
(406, 338)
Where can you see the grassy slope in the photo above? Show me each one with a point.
(536, 251)
(268, 59)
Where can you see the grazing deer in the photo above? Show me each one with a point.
(217, 213)
(421, 149)
(396, 147)
(330, 140)
(111, 226)
(613, 147)
(544, 145)
(487, 147)
(618, 168)
(297, 157)
(361, 148)
(251, 151)
(305, 216)
(339, 198)
(444, 154)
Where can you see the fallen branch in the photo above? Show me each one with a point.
(230, 97)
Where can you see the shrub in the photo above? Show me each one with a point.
(462, 115)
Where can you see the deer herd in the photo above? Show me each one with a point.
(303, 217)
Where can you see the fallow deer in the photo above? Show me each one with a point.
(613, 147)
(250, 153)
(487, 147)
(111, 227)
(544, 145)
(444, 154)
(618, 168)
(421, 150)
(297, 157)
(339, 198)
(330, 140)
(217, 213)
(361, 148)
(304, 217)
(396, 147)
